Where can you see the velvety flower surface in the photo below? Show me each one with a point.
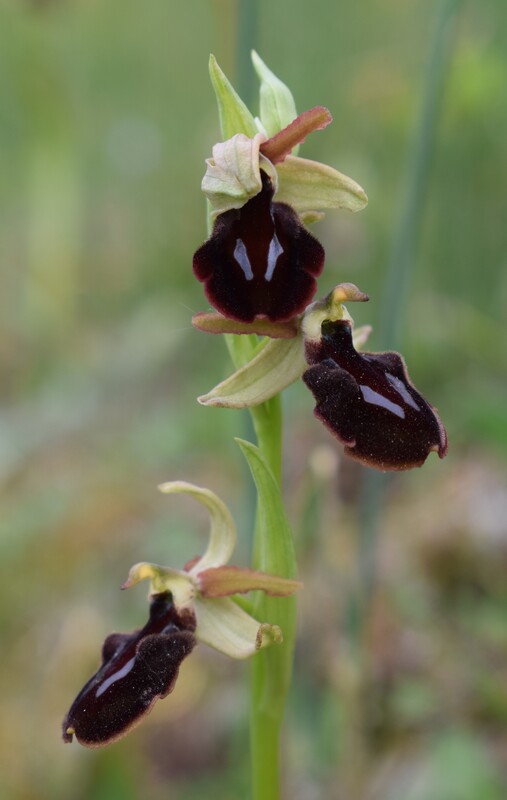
(137, 668)
(259, 261)
(368, 402)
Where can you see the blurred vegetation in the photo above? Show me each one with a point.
(106, 116)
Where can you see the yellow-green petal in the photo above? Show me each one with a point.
(279, 363)
(234, 115)
(277, 106)
(222, 536)
(310, 186)
(223, 625)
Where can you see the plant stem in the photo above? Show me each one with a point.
(273, 550)
(267, 422)
(266, 698)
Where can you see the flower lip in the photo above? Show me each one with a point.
(259, 261)
(136, 670)
(369, 403)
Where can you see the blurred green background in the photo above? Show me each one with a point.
(106, 117)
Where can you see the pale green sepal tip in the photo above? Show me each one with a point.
(226, 627)
(279, 363)
(234, 115)
(310, 186)
(277, 106)
(222, 536)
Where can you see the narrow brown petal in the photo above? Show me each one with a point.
(224, 581)
(210, 322)
(280, 145)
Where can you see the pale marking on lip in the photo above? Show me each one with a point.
(116, 676)
(402, 389)
(241, 257)
(275, 249)
(377, 399)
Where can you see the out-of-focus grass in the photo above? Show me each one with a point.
(106, 116)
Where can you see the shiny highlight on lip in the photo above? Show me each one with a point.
(260, 261)
(369, 403)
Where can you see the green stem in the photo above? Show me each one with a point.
(273, 550)
(267, 422)
(267, 697)
(265, 746)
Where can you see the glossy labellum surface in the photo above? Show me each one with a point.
(368, 402)
(137, 668)
(259, 261)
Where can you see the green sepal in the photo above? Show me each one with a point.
(233, 113)
(277, 105)
(225, 626)
(310, 186)
(279, 363)
(222, 535)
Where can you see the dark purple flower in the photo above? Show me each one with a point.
(137, 668)
(368, 402)
(259, 261)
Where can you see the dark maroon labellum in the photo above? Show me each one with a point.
(137, 668)
(259, 261)
(368, 402)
